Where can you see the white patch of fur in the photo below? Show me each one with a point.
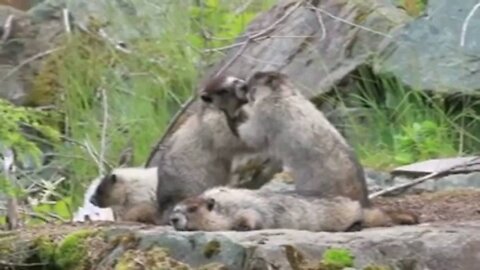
(230, 80)
(91, 211)
(141, 183)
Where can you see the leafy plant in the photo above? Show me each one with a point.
(397, 125)
(338, 257)
(421, 141)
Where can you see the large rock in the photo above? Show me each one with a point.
(429, 246)
(449, 67)
(32, 37)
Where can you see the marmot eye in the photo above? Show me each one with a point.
(222, 92)
(191, 209)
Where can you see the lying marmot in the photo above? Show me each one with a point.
(224, 208)
(130, 192)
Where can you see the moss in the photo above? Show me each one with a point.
(45, 85)
(338, 257)
(45, 247)
(213, 266)
(333, 259)
(377, 267)
(295, 258)
(71, 252)
(211, 248)
(155, 258)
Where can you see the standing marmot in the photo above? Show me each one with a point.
(224, 208)
(199, 154)
(282, 122)
(130, 192)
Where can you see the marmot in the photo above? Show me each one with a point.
(278, 119)
(130, 192)
(224, 208)
(199, 154)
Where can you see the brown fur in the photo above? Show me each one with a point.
(143, 212)
(280, 121)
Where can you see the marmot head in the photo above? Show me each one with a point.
(112, 190)
(226, 93)
(192, 214)
(264, 83)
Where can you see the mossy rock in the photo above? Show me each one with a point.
(76, 250)
(71, 252)
(155, 258)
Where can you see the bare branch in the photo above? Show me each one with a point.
(103, 137)
(66, 21)
(422, 179)
(466, 22)
(28, 60)
(7, 28)
(13, 219)
(349, 23)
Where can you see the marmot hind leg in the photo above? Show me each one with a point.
(247, 220)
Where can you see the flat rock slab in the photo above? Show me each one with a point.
(427, 246)
(439, 246)
(462, 164)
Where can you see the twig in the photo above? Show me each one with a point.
(466, 22)
(350, 23)
(7, 28)
(92, 154)
(28, 60)
(103, 137)
(118, 45)
(243, 7)
(13, 265)
(66, 21)
(422, 179)
(320, 21)
(34, 215)
(256, 36)
(13, 220)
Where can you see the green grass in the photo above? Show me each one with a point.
(397, 125)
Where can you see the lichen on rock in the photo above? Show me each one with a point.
(155, 258)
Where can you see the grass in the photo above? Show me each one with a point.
(397, 125)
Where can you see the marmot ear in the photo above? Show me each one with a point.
(241, 92)
(113, 178)
(210, 204)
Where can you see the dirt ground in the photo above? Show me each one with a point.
(455, 205)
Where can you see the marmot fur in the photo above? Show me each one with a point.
(224, 208)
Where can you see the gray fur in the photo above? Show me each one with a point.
(196, 157)
(254, 209)
(288, 126)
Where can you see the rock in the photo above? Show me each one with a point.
(31, 38)
(417, 247)
(450, 165)
(440, 246)
(449, 67)
(123, 17)
(317, 60)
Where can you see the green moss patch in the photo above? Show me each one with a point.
(155, 258)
